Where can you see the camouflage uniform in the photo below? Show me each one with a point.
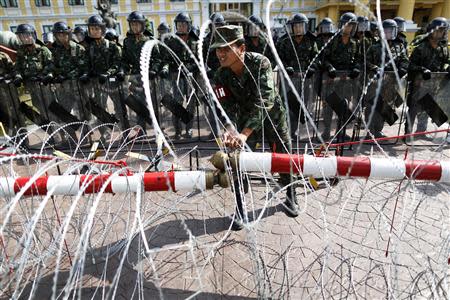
(104, 58)
(424, 56)
(182, 88)
(8, 115)
(297, 57)
(132, 47)
(68, 65)
(341, 57)
(252, 101)
(374, 56)
(32, 64)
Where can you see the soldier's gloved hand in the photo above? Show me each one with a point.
(84, 78)
(152, 74)
(120, 76)
(402, 72)
(102, 78)
(354, 73)
(164, 73)
(426, 74)
(18, 80)
(310, 72)
(290, 71)
(59, 79)
(47, 79)
(332, 72)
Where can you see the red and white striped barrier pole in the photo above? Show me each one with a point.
(73, 184)
(360, 166)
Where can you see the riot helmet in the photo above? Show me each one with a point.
(438, 29)
(136, 22)
(80, 34)
(348, 23)
(363, 24)
(253, 26)
(298, 25)
(112, 35)
(217, 19)
(183, 23)
(401, 23)
(26, 34)
(163, 28)
(390, 28)
(62, 33)
(96, 27)
(326, 26)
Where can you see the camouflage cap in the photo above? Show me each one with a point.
(227, 35)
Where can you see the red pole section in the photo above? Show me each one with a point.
(361, 166)
(72, 184)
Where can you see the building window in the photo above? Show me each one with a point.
(42, 3)
(143, 1)
(8, 3)
(47, 28)
(76, 2)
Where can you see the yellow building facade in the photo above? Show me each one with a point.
(42, 14)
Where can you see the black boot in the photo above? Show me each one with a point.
(238, 218)
(290, 206)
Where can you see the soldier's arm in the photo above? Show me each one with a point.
(402, 60)
(48, 61)
(371, 62)
(358, 56)
(265, 96)
(415, 61)
(156, 62)
(83, 64)
(116, 59)
(20, 64)
(314, 52)
(125, 59)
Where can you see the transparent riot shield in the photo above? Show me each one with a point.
(10, 116)
(383, 105)
(135, 102)
(307, 89)
(340, 98)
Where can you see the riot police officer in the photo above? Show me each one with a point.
(325, 30)
(8, 115)
(298, 51)
(256, 38)
(104, 61)
(342, 54)
(183, 29)
(69, 63)
(430, 55)
(374, 60)
(209, 55)
(363, 35)
(33, 66)
(401, 36)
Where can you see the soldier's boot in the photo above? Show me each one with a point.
(290, 205)
(238, 218)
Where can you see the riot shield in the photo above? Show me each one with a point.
(339, 95)
(432, 97)
(390, 97)
(10, 115)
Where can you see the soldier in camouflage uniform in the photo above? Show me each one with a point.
(81, 36)
(342, 54)
(132, 47)
(182, 88)
(298, 51)
(325, 30)
(248, 94)
(33, 66)
(104, 61)
(69, 63)
(163, 29)
(374, 56)
(363, 36)
(256, 38)
(401, 36)
(431, 55)
(8, 115)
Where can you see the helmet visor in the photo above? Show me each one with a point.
(440, 33)
(299, 28)
(390, 33)
(401, 26)
(26, 38)
(363, 26)
(182, 27)
(326, 28)
(349, 28)
(252, 30)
